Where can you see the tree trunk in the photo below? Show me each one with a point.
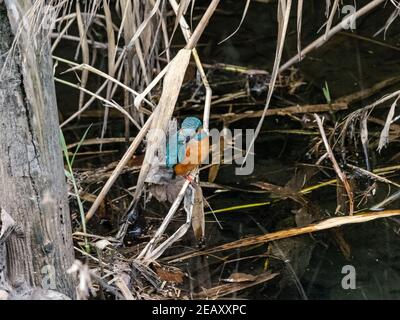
(32, 182)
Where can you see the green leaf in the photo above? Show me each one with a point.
(327, 93)
(80, 144)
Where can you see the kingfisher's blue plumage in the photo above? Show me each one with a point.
(172, 150)
(176, 146)
(191, 123)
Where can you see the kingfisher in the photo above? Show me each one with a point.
(188, 148)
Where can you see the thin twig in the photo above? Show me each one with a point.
(338, 171)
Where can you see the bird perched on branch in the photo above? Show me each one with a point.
(188, 148)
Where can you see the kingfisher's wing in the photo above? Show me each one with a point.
(191, 123)
(176, 148)
(172, 151)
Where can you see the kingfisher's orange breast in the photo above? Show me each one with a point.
(196, 154)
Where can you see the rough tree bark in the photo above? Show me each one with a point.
(32, 182)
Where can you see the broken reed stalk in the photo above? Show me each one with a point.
(283, 234)
(336, 167)
(324, 38)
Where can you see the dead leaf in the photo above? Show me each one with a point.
(170, 275)
(240, 277)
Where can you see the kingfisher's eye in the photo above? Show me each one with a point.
(187, 139)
